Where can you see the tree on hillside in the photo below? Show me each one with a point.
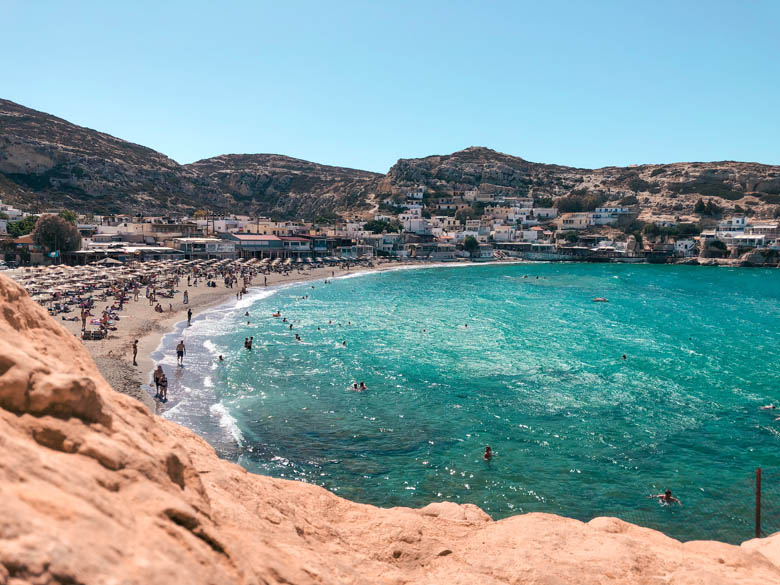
(69, 216)
(22, 227)
(54, 233)
(700, 208)
(200, 214)
(378, 226)
(465, 214)
(543, 202)
(471, 245)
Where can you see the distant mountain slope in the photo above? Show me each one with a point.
(286, 185)
(48, 162)
(669, 188)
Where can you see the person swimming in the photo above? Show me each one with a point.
(488, 455)
(355, 387)
(363, 386)
(666, 498)
(221, 359)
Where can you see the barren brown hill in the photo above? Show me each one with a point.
(48, 162)
(96, 490)
(659, 189)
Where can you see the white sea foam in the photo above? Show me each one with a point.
(226, 421)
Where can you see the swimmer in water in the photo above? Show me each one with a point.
(221, 359)
(667, 498)
(768, 407)
(344, 343)
(624, 356)
(488, 455)
(355, 387)
(363, 386)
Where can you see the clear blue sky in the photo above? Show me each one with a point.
(361, 84)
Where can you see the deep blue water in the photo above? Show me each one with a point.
(458, 358)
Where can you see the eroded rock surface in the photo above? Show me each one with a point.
(96, 490)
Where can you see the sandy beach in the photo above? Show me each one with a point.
(114, 355)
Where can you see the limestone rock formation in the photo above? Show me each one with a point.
(95, 490)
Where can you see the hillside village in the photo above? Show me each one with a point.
(421, 225)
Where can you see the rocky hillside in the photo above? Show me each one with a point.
(287, 186)
(48, 162)
(660, 189)
(95, 489)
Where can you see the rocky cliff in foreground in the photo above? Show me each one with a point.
(94, 489)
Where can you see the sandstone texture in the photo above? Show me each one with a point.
(94, 489)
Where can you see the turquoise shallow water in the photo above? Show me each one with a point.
(460, 357)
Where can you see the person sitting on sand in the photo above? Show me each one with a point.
(666, 498)
(488, 455)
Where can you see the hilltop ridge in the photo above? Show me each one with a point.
(48, 162)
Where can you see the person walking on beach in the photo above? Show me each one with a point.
(135, 352)
(158, 373)
(180, 351)
(189, 317)
(186, 297)
(83, 318)
(163, 388)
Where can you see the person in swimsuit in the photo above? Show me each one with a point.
(158, 373)
(363, 387)
(666, 498)
(488, 455)
(163, 387)
(180, 351)
(135, 352)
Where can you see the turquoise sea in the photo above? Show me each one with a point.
(517, 357)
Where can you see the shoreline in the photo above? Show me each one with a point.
(113, 355)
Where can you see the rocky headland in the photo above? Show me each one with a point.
(95, 489)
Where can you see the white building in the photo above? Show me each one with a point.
(732, 224)
(418, 193)
(684, 247)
